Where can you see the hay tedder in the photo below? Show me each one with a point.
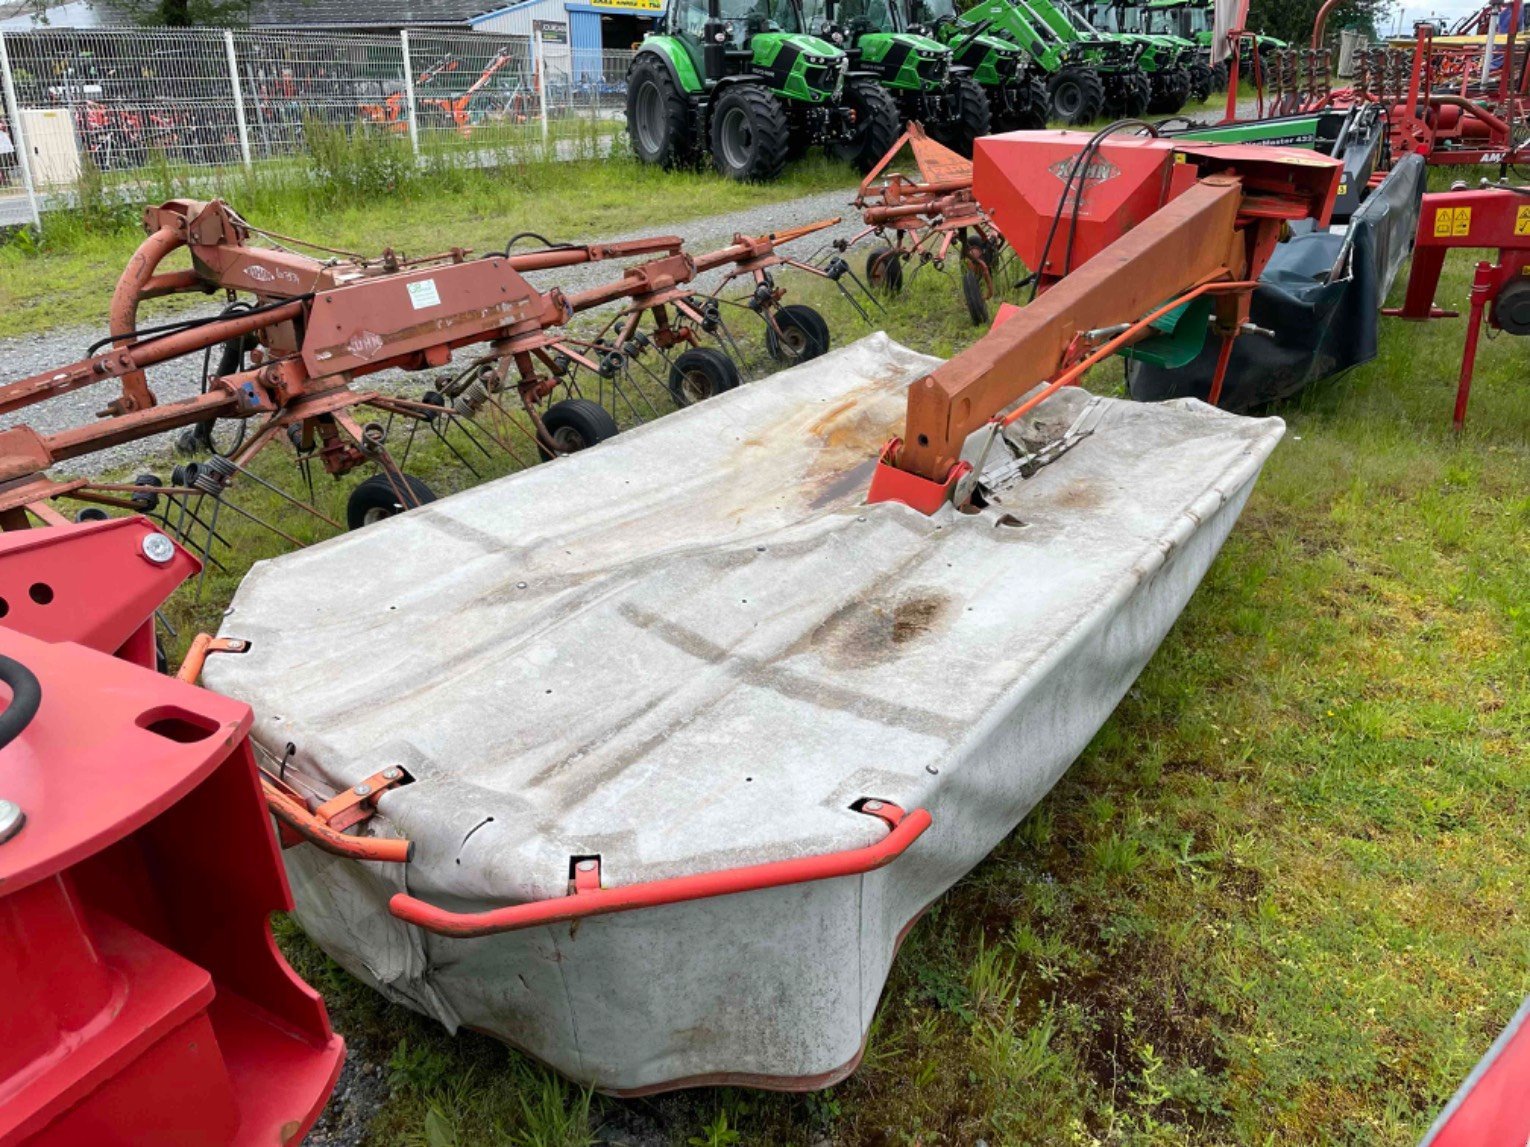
(300, 330)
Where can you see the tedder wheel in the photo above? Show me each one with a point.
(576, 424)
(91, 514)
(749, 134)
(700, 373)
(972, 294)
(376, 499)
(1076, 95)
(876, 125)
(804, 334)
(658, 116)
(971, 121)
(884, 270)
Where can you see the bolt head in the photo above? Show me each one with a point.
(158, 548)
(362, 790)
(392, 774)
(11, 819)
(586, 866)
(872, 806)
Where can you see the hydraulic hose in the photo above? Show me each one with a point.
(26, 696)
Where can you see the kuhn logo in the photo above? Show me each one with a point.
(1096, 172)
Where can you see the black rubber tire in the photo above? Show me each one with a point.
(1075, 96)
(670, 139)
(749, 134)
(884, 270)
(576, 424)
(972, 295)
(1034, 116)
(877, 125)
(375, 499)
(971, 123)
(699, 374)
(1170, 90)
(91, 514)
(1219, 77)
(1202, 82)
(1134, 92)
(806, 332)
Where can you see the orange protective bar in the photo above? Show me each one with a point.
(201, 645)
(295, 815)
(907, 828)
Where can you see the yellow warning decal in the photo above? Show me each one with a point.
(1452, 221)
(1343, 190)
(1522, 221)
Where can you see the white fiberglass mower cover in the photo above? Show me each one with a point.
(696, 650)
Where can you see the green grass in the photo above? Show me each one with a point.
(1279, 900)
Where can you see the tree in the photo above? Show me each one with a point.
(1292, 20)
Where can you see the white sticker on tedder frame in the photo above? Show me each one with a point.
(423, 293)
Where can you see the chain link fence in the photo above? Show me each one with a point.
(110, 101)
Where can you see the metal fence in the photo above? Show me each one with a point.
(199, 98)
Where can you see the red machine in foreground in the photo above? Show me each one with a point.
(1490, 217)
(143, 998)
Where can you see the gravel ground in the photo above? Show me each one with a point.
(31, 354)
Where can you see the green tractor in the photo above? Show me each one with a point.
(1087, 75)
(1017, 99)
(1187, 20)
(1164, 60)
(915, 70)
(1168, 49)
(741, 79)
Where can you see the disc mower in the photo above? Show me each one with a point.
(1492, 217)
(746, 82)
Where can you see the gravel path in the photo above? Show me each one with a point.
(30, 354)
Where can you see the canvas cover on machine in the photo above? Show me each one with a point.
(697, 647)
(1321, 294)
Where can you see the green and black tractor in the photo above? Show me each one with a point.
(917, 71)
(1017, 97)
(1167, 51)
(743, 80)
(1188, 20)
(1087, 75)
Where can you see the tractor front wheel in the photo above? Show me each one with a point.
(658, 115)
(1076, 95)
(874, 128)
(749, 134)
(1201, 80)
(1171, 88)
(969, 121)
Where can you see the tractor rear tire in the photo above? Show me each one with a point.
(376, 499)
(877, 125)
(884, 270)
(1171, 89)
(804, 334)
(750, 133)
(1202, 82)
(658, 116)
(576, 424)
(1075, 96)
(699, 374)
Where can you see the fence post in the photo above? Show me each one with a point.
(414, 127)
(233, 79)
(541, 77)
(18, 139)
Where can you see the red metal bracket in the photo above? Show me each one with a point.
(596, 901)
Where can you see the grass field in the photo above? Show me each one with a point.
(1279, 900)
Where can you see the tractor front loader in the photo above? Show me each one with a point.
(1086, 75)
(1172, 62)
(742, 80)
(917, 71)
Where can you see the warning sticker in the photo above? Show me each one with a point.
(423, 293)
(1452, 221)
(1522, 221)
